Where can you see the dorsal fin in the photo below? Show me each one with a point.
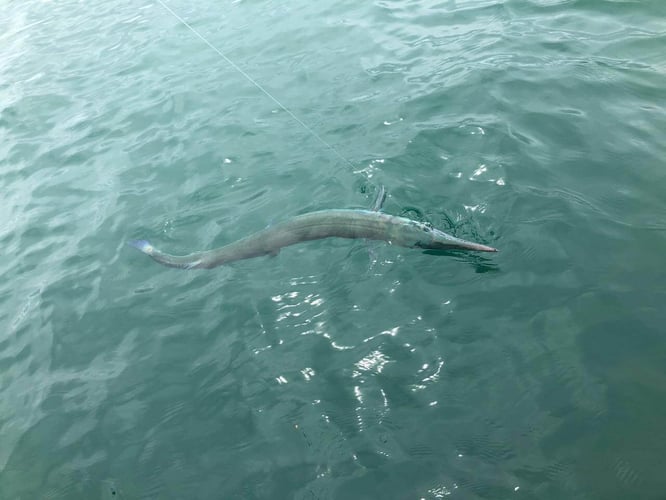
(379, 199)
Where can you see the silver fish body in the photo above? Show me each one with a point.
(339, 223)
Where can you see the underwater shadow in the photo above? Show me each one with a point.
(480, 263)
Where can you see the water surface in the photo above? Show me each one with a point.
(337, 369)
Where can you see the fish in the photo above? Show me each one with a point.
(333, 223)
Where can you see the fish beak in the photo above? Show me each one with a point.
(445, 241)
(468, 245)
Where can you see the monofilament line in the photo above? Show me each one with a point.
(256, 84)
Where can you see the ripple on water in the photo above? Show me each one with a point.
(331, 369)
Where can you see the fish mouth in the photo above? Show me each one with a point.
(458, 245)
(445, 241)
(468, 245)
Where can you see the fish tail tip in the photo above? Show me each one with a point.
(142, 245)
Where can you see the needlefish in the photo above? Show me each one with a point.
(335, 223)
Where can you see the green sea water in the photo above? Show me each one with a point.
(338, 369)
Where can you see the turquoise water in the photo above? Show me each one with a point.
(338, 369)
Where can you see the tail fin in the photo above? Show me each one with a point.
(193, 261)
(142, 245)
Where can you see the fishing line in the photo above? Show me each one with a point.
(256, 84)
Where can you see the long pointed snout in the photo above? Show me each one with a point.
(468, 245)
(444, 241)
